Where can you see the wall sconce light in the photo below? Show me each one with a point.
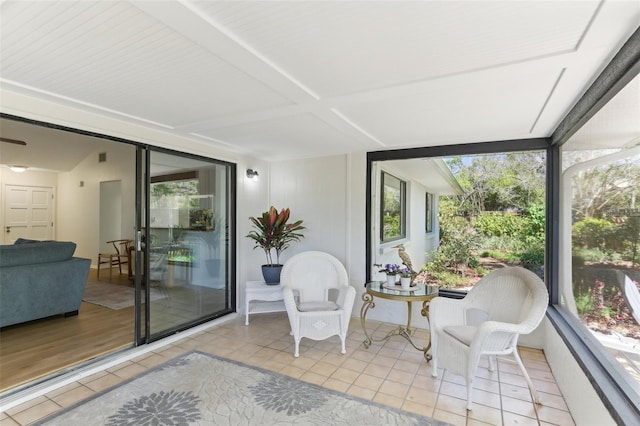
(18, 169)
(252, 174)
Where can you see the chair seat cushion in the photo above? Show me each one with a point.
(318, 306)
(462, 333)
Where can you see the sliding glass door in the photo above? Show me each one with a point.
(178, 209)
(186, 240)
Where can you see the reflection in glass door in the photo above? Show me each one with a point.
(189, 268)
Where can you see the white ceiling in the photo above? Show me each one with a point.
(47, 149)
(287, 80)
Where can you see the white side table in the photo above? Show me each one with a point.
(262, 298)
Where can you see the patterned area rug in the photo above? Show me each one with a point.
(114, 296)
(202, 389)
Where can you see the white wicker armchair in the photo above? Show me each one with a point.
(501, 306)
(324, 297)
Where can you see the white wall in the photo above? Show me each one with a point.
(252, 199)
(110, 214)
(315, 191)
(581, 398)
(356, 229)
(78, 206)
(417, 244)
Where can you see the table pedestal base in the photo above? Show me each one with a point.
(404, 331)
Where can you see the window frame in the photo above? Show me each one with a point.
(532, 144)
(429, 211)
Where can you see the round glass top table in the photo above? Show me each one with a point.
(380, 289)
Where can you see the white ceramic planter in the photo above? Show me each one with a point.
(405, 282)
(391, 279)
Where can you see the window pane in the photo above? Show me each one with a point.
(187, 245)
(484, 212)
(602, 218)
(497, 220)
(393, 207)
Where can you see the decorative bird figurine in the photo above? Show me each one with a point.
(406, 259)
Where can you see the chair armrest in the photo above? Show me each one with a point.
(444, 311)
(495, 336)
(289, 300)
(348, 295)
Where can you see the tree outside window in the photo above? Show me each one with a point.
(498, 220)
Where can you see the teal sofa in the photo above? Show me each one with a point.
(39, 279)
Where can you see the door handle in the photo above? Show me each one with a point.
(8, 229)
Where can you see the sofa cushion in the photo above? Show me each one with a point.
(36, 252)
(25, 241)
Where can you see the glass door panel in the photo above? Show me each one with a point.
(187, 242)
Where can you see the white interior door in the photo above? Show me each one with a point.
(28, 213)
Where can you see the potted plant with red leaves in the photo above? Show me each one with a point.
(273, 233)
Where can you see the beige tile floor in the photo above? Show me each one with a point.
(390, 372)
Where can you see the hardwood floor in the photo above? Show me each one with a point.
(39, 348)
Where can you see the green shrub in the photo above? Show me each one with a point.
(593, 233)
(625, 237)
(480, 270)
(584, 304)
(448, 279)
(497, 244)
(496, 224)
(458, 242)
(594, 255)
(533, 256)
(535, 219)
(391, 226)
(512, 238)
(492, 253)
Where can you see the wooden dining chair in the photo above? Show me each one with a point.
(119, 257)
